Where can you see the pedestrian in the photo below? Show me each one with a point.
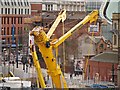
(13, 62)
(96, 77)
(11, 58)
(16, 61)
(26, 63)
(71, 76)
(30, 60)
(26, 67)
(24, 58)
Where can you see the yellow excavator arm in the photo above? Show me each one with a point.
(37, 67)
(45, 48)
(42, 40)
(61, 16)
(93, 16)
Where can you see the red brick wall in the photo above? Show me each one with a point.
(37, 8)
(7, 26)
(103, 68)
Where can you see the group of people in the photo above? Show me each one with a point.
(27, 61)
(13, 59)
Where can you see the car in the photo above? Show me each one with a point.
(98, 86)
(111, 86)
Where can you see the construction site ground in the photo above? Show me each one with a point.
(74, 82)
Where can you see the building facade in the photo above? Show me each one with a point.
(103, 45)
(36, 8)
(105, 66)
(115, 25)
(93, 4)
(116, 39)
(69, 5)
(93, 45)
(12, 13)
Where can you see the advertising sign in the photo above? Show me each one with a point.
(94, 28)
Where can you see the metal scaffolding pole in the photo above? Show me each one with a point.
(63, 51)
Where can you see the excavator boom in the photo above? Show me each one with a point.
(93, 16)
(37, 66)
(42, 40)
(61, 16)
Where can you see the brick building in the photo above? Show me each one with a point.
(36, 8)
(55, 5)
(116, 38)
(105, 64)
(12, 15)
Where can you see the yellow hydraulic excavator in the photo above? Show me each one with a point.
(42, 40)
